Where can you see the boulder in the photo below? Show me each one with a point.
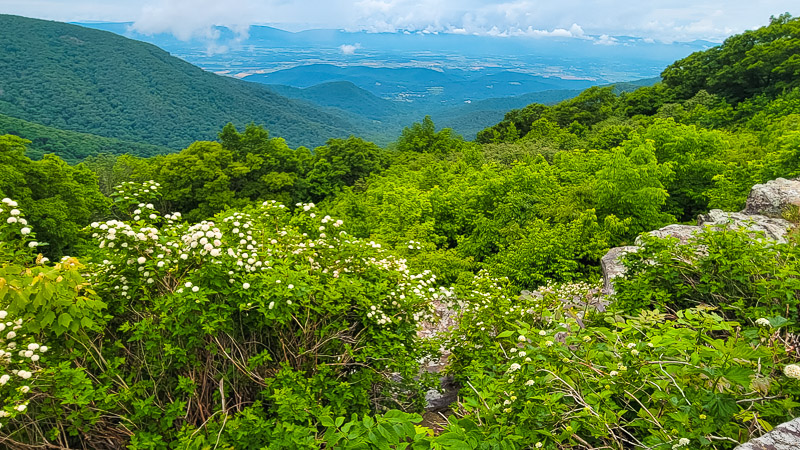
(783, 437)
(772, 197)
(772, 228)
(440, 399)
(682, 232)
(612, 266)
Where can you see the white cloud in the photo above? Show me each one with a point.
(575, 31)
(190, 19)
(664, 20)
(606, 40)
(348, 49)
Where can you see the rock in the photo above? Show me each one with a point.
(682, 232)
(783, 437)
(772, 197)
(439, 400)
(772, 228)
(612, 266)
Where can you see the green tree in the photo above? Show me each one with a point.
(60, 199)
(423, 138)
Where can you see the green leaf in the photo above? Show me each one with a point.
(48, 318)
(64, 320)
(326, 421)
(722, 406)
(739, 375)
(778, 321)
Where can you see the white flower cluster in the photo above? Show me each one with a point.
(414, 245)
(131, 190)
(117, 233)
(147, 210)
(762, 322)
(682, 442)
(17, 361)
(336, 223)
(792, 371)
(205, 237)
(11, 216)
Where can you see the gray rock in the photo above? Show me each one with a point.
(440, 399)
(682, 232)
(783, 437)
(772, 228)
(612, 266)
(772, 197)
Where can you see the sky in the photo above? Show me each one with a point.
(660, 20)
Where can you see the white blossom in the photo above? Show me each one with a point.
(792, 371)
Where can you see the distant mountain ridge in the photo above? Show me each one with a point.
(428, 86)
(90, 81)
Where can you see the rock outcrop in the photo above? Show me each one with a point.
(770, 198)
(783, 437)
(775, 229)
(765, 204)
(682, 232)
(612, 266)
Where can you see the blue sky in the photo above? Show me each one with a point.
(677, 20)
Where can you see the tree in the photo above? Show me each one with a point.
(60, 199)
(342, 162)
(423, 138)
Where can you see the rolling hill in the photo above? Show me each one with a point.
(419, 85)
(346, 96)
(90, 81)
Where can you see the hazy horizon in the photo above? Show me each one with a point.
(663, 21)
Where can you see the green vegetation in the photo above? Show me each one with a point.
(60, 199)
(246, 294)
(71, 146)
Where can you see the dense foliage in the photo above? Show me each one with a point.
(245, 294)
(71, 146)
(60, 199)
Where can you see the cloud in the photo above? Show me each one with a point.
(348, 49)
(606, 40)
(575, 31)
(196, 19)
(661, 20)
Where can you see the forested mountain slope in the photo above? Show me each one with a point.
(74, 78)
(72, 146)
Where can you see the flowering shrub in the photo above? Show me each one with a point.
(536, 374)
(15, 233)
(34, 296)
(275, 313)
(19, 363)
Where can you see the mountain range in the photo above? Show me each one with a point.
(79, 79)
(78, 91)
